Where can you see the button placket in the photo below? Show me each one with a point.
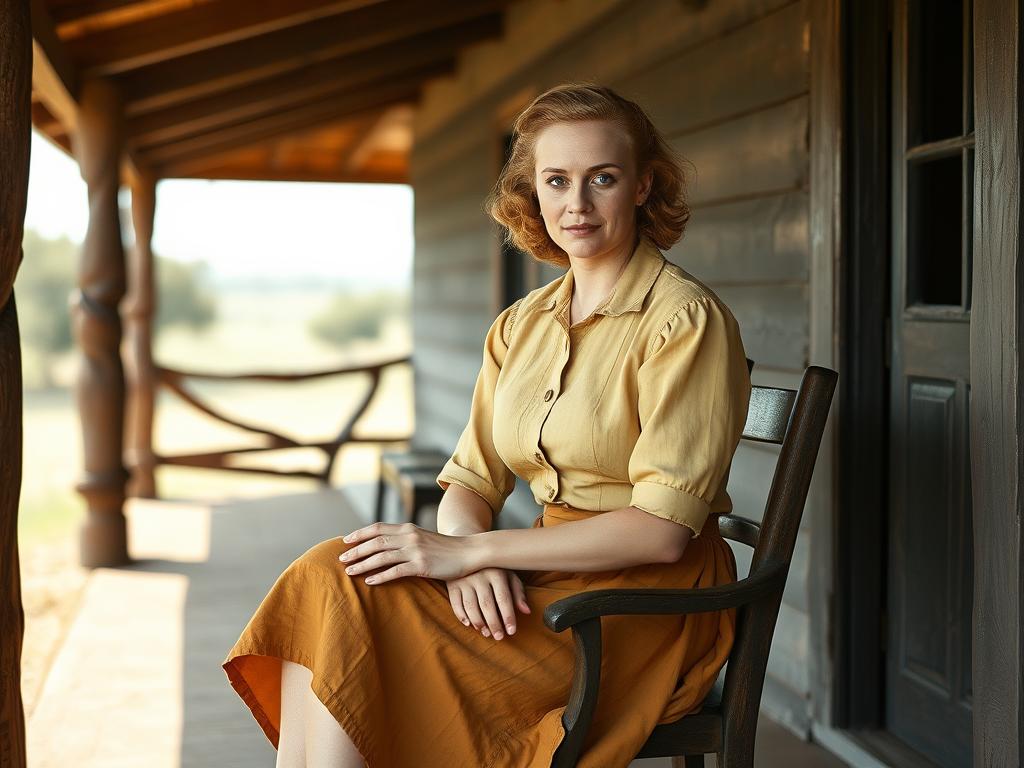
(549, 397)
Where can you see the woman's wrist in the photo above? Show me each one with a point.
(478, 551)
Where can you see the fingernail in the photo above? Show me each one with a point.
(347, 538)
(485, 632)
(498, 636)
(466, 622)
(511, 629)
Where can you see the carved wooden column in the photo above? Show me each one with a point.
(15, 140)
(138, 316)
(97, 325)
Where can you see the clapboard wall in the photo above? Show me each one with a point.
(728, 84)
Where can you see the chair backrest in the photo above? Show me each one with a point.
(794, 419)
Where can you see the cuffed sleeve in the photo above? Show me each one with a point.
(475, 464)
(694, 390)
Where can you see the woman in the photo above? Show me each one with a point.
(618, 392)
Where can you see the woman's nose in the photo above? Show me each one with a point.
(580, 201)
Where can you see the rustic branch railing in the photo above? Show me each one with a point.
(174, 380)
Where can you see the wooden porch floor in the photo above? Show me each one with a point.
(138, 681)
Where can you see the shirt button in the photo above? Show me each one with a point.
(548, 395)
(551, 492)
(539, 456)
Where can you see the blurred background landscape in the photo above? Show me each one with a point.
(252, 276)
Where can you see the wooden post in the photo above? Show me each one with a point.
(139, 340)
(101, 282)
(15, 138)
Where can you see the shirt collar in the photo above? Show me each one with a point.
(629, 291)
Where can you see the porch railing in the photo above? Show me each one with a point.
(175, 380)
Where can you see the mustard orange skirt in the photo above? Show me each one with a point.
(412, 686)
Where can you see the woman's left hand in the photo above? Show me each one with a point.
(409, 550)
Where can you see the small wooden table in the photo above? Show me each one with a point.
(413, 473)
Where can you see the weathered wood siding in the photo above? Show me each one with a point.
(728, 84)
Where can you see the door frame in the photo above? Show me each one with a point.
(997, 404)
(864, 286)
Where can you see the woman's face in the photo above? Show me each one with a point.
(588, 187)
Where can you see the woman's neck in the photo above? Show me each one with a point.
(594, 280)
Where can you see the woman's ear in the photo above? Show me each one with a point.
(643, 189)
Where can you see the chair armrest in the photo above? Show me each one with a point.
(582, 612)
(574, 609)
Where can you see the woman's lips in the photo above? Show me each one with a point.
(582, 230)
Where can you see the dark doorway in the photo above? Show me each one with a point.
(904, 536)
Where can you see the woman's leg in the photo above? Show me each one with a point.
(291, 744)
(310, 736)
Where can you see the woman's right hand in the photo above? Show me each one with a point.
(487, 599)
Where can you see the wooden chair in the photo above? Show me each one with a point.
(727, 720)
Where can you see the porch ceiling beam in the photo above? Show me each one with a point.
(64, 11)
(366, 130)
(240, 63)
(205, 169)
(313, 82)
(369, 97)
(196, 28)
(365, 145)
(55, 80)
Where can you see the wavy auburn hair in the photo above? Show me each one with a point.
(513, 201)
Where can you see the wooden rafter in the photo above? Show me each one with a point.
(54, 76)
(237, 64)
(314, 82)
(67, 12)
(398, 118)
(197, 28)
(372, 96)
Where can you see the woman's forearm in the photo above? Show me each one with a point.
(462, 512)
(617, 539)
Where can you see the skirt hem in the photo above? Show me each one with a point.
(332, 701)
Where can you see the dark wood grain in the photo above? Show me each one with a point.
(15, 138)
(996, 397)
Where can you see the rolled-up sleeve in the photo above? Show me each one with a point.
(475, 464)
(694, 389)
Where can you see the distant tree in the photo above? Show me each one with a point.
(350, 316)
(182, 295)
(43, 287)
(47, 278)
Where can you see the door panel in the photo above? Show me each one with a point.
(928, 673)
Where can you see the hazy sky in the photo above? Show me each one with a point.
(247, 228)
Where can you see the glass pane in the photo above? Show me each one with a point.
(935, 70)
(934, 231)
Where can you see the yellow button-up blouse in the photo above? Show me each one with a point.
(642, 403)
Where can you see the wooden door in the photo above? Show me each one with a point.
(928, 633)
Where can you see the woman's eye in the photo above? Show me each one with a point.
(557, 181)
(604, 179)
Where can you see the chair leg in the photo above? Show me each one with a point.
(379, 505)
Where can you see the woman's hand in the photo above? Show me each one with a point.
(487, 599)
(410, 551)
